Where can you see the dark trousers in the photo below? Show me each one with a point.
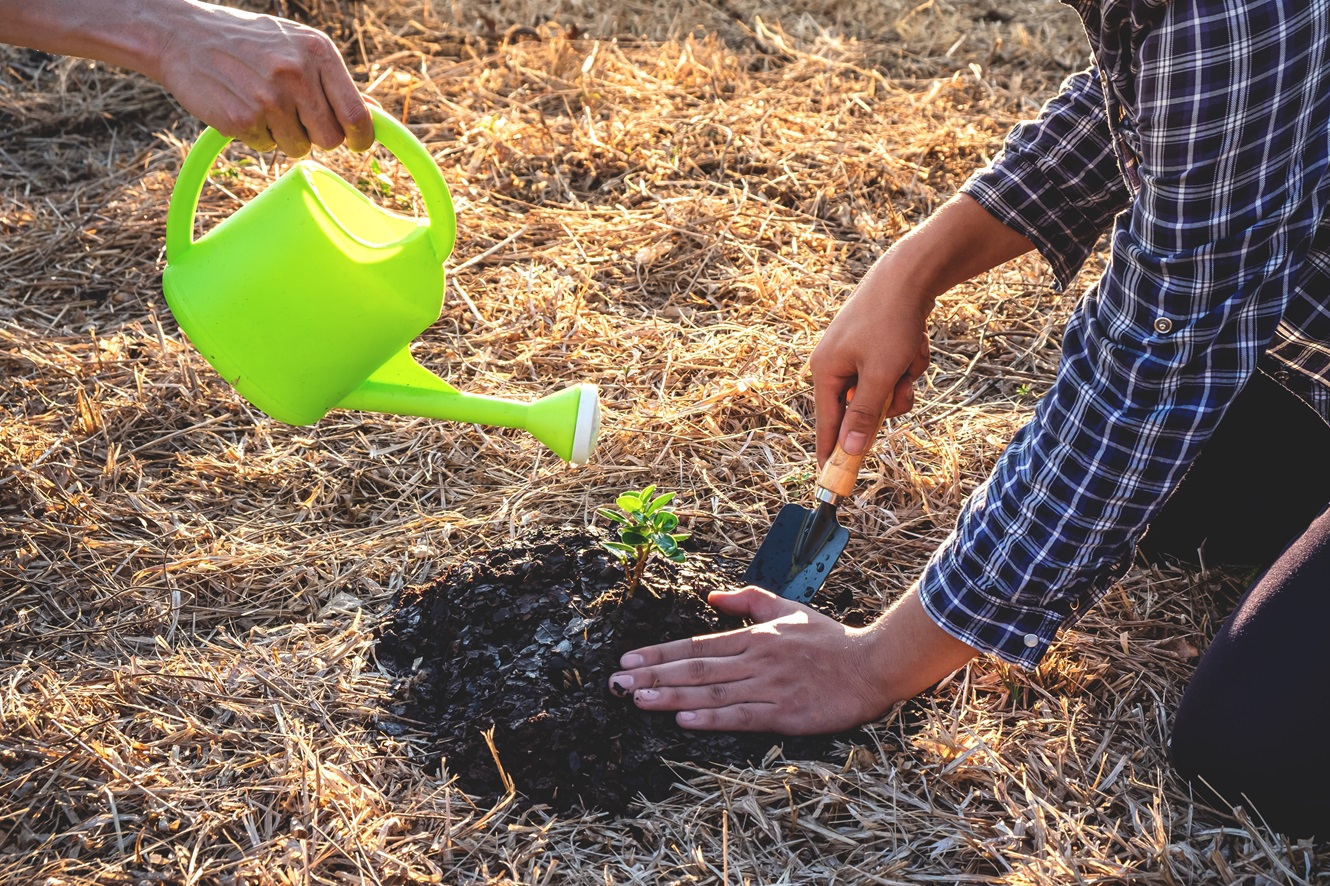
(1251, 724)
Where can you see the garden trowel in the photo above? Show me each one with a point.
(802, 545)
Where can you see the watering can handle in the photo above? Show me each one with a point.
(387, 130)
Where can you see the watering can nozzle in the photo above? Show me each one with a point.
(568, 422)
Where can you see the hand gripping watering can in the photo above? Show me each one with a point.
(308, 297)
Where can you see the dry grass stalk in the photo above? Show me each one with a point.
(670, 202)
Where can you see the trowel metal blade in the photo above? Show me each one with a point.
(778, 565)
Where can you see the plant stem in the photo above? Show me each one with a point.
(639, 566)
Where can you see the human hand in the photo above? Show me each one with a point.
(795, 672)
(267, 81)
(866, 363)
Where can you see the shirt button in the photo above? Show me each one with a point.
(1031, 640)
(1163, 326)
(1282, 376)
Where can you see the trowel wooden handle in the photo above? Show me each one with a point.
(841, 471)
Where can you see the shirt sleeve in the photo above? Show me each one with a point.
(1234, 130)
(1056, 179)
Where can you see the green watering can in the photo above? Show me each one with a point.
(308, 297)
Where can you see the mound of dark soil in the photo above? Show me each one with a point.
(523, 639)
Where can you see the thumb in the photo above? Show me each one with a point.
(754, 603)
(863, 417)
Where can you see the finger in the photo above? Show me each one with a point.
(706, 674)
(751, 602)
(353, 115)
(754, 603)
(259, 138)
(863, 414)
(340, 108)
(829, 398)
(317, 119)
(751, 717)
(902, 399)
(288, 131)
(698, 698)
(707, 646)
(920, 364)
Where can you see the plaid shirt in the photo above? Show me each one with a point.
(1202, 135)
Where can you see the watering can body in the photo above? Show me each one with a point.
(308, 297)
(298, 297)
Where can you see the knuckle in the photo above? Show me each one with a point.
(247, 119)
(859, 418)
(266, 102)
(719, 693)
(326, 138)
(698, 669)
(356, 115)
(318, 45)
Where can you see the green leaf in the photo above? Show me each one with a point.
(666, 544)
(611, 515)
(629, 502)
(678, 556)
(634, 537)
(664, 521)
(645, 494)
(659, 502)
(679, 536)
(622, 551)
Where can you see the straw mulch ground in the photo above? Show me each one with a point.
(669, 200)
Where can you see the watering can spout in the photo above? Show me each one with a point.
(567, 421)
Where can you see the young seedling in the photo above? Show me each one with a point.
(645, 526)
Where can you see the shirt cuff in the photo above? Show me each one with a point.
(1018, 635)
(1016, 193)
(987, 618)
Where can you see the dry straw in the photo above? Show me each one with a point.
(669, 200)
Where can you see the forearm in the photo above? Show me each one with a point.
(907, 652)
(129, 33)
(958, 242)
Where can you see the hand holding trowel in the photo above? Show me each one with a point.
(802, 546)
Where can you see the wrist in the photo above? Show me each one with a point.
(144, 47)
(906, 651)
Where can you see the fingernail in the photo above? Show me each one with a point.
(631, 660)
(687, 716)
(646, 695)
(855, 441)
(621, 684)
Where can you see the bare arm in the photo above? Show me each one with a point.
(795, 670)
(878, 342)
(265, 80)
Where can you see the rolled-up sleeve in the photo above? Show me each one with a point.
(1056, 179)
(1233, 116)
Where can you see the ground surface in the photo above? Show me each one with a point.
(671, 201)
(507, 658)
